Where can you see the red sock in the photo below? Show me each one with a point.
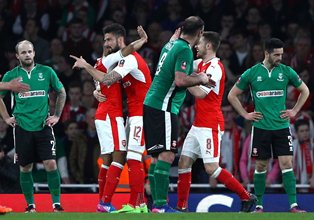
(112, 180)
(102, 180)
(136, 179)
(184, 183)
(233, 184)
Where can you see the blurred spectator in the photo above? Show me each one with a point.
(226, 25)
(6, 138)
(65, 72)
(56, 52)
(256, 54)
(90, 166)
(97, 46)
(88, 100)
(210, 12)
(252, 19)
(30, 10)
(241, 49)
(73, 109)
(9, 174)
(304, 155)
(73, 40)
(40, 44)
(231, 142)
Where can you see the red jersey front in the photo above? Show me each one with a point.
(208, 110)
(113, 105)
(136, 81)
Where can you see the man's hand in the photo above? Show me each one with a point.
(141, 32)
(10, 121)
(52, 120)
(99, 96)
(16, 86)
(176, 34)
(287, 114)
(253, 116)
(79, 62)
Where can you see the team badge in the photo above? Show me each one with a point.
(280, 77)
(124, 143)
(121, 63)
(183, 65)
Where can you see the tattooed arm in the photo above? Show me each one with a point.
(60, 101)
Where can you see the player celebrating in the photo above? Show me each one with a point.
(204, 138)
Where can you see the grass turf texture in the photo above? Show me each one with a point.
(158, 216)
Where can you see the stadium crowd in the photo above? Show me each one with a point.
(58, 28)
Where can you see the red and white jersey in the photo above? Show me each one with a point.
(136, 80)
(208, 110)
(113, 105)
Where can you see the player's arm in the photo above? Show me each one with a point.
(304, 94)
(235, 102)
(60, 101)
(14, 85)
(197, 92)
(5, 115)
(137, 44)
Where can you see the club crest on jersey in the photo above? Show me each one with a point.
(40, 77)
(123, 143)
(259, 79)
(280, 77)
(183, 65)
(121, 63)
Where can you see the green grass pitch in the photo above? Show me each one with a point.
(158, 216)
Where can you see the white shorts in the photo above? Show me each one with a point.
(203, 143)
(135, 134)
(111, 134)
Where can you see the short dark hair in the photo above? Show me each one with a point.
(192, 25)
(272, 43)
(300, 122)
(212, 37)
(115, 29)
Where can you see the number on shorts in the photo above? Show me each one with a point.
(290, 140)
(137, 130)
(53, 148)
(208, 145)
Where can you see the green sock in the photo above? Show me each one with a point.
(27, 186)
(289, 183)
(259, 187)
(53, 179)
(162, 182)
(151, 179)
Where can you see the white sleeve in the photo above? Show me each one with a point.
(216, 74)
(126, 65)
(195, 64)
(111, 59)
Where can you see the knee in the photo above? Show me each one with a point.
(167, 156)
(50, 165)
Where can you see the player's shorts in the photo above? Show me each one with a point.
(34, 146)
(111, 134)
(135, 134)
(266, 144)
(203, 143)
(161, 131)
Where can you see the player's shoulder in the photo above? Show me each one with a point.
(41, 67)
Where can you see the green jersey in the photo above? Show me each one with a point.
(31, 108)
(163, 93)
(269, 91)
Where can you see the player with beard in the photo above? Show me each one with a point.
(271, 135)
(134, 73)
(32, 122)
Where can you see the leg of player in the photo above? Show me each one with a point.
(289, 182)
(222, 175)
(136, 179)
(54, 183)
(106, 158)
(112, 180)
(27, 184)
(184, 182)
(260, 183)
(161, 175)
